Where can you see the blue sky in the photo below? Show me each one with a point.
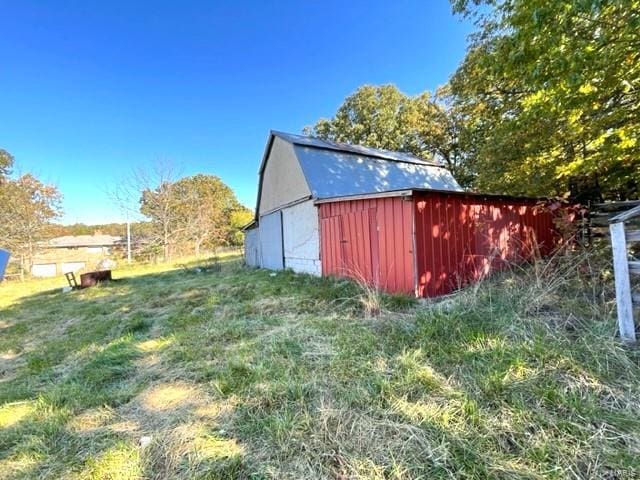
(89, 90)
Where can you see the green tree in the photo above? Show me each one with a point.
(384, 117)
(240, 217)
(549, 96)
(161, 206)
(27, 206)
(197, 211)
(6, 163)
(206, 208)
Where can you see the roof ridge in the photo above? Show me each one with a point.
(315, 142)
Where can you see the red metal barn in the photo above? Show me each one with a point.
(390, 219)
(430, 243)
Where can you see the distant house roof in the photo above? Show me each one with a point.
(334, 169)
(74, 241)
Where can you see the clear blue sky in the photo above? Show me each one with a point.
(90, 89)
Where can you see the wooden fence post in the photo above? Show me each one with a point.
(623, 284)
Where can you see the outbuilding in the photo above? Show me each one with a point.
(72, 253)
(386, 218)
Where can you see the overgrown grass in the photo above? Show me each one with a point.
(229, 372)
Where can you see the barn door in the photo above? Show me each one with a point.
(332, 246)
(360, 245)
(350, 246)
(271, 241)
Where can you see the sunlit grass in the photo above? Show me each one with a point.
(13, 413)
(122, 461)
(167, 396)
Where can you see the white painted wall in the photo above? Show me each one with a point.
(282, 180)
(302, 238)
(252, 247)
(67, 267)
(43, 270)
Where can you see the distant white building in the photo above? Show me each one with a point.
(72, 253)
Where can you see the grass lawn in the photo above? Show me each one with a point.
(238, 373)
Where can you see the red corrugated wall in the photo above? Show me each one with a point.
(457, 239)
(460, 238)
(370, 240)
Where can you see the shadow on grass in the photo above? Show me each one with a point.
(72, 356)
(69, 354)
(78, 355)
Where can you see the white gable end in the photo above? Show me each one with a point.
(283, 181)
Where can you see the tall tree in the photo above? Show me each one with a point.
(206, 206)
(384, 117)
(550, 95)
(149, 191)
(27, 206)
(162, 206)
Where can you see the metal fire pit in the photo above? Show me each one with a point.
(93, 278)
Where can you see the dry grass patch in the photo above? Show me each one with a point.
(168, 397)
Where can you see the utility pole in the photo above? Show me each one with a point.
(128, 242)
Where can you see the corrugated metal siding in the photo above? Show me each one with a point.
(370, 240)
(460, 239)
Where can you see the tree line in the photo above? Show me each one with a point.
(116, 229)
(181, 216)
(545, 103)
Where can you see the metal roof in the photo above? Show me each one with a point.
(252, 224)
(357, 149)
(330, 173)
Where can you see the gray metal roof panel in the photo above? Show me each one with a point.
(358, 149)
(334, 174)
